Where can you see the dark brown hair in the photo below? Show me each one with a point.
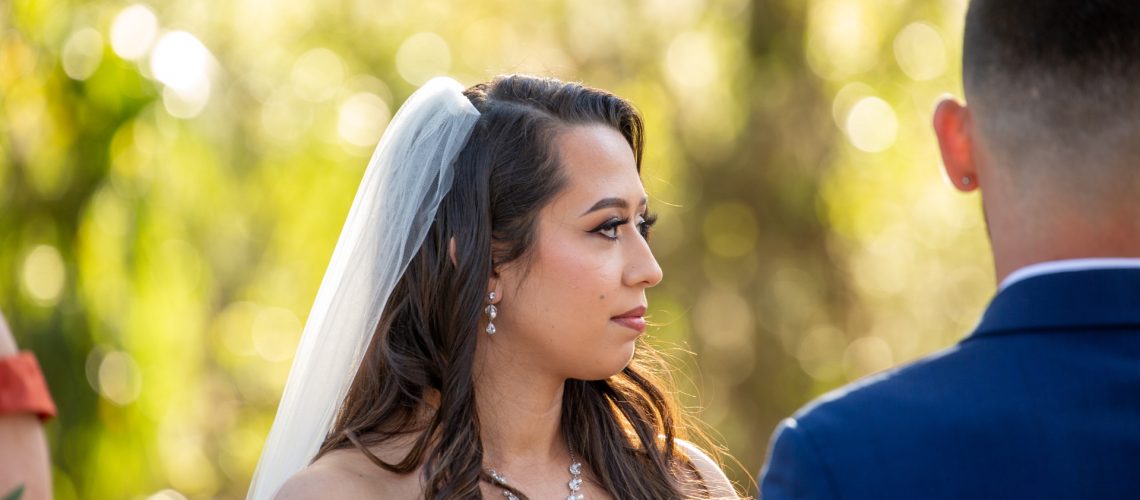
(1085, 45)
(624, 426)
(1053, 84)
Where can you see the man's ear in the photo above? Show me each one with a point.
(954, 126)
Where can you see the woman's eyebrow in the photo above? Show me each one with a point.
(613, 203)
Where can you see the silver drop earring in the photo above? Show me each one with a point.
(491, 312)
(967, 180)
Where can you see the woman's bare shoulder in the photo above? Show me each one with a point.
(710, 474)
(348, 473)
(327, 477)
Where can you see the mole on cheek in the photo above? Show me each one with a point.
(602, 297)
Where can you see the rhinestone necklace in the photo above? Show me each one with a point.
(575, 483)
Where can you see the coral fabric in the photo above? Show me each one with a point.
(22, 387)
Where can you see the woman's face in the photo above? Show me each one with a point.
(577, 305)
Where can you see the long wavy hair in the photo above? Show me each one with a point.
(623, 426)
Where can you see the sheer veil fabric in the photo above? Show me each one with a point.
(408, 175)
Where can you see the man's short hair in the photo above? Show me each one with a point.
(1055, 81)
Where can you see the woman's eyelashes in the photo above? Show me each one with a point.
(609, 228)
(645, 226)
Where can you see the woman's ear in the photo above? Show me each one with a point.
(494, 286)
(451, 252)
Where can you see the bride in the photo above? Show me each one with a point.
(476, 332)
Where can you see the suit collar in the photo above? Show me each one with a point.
(1057, 266)
(1086, 299)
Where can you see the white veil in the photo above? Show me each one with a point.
(407, 177)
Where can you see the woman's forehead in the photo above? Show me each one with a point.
(598, 162)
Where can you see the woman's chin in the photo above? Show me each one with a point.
(611, 363)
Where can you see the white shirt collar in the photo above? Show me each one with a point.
(1060, 266)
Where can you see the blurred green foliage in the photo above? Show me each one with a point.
(173, 177)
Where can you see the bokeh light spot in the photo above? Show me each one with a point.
(691, 62)
(182, 63)
(872, 125)
(180, 60)
(841, 38)
(820, 353)
(846, 98)
(317, 75)
(120, 380)
(185, 104)
(91, 366)
(362, 118)
(133, 32)
(184, 460)
(167, 494)
(867, 355)
(730, 229)
(920, 52)
(595, 26)
(44, 275)
(82, 53)
(234, 325)
(276, 332)
(423, 56)
(724, 319)
(284, 116)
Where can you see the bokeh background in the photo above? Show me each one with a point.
(173, 177)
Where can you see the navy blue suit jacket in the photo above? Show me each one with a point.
(1042, 400)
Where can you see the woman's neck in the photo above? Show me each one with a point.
(520, 417)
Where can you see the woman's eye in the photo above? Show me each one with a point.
(609, 229)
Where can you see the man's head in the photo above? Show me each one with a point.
(1051, 134)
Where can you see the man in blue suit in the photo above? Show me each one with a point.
(1042, 399)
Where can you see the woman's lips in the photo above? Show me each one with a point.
(634, 319)
(636, 324)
